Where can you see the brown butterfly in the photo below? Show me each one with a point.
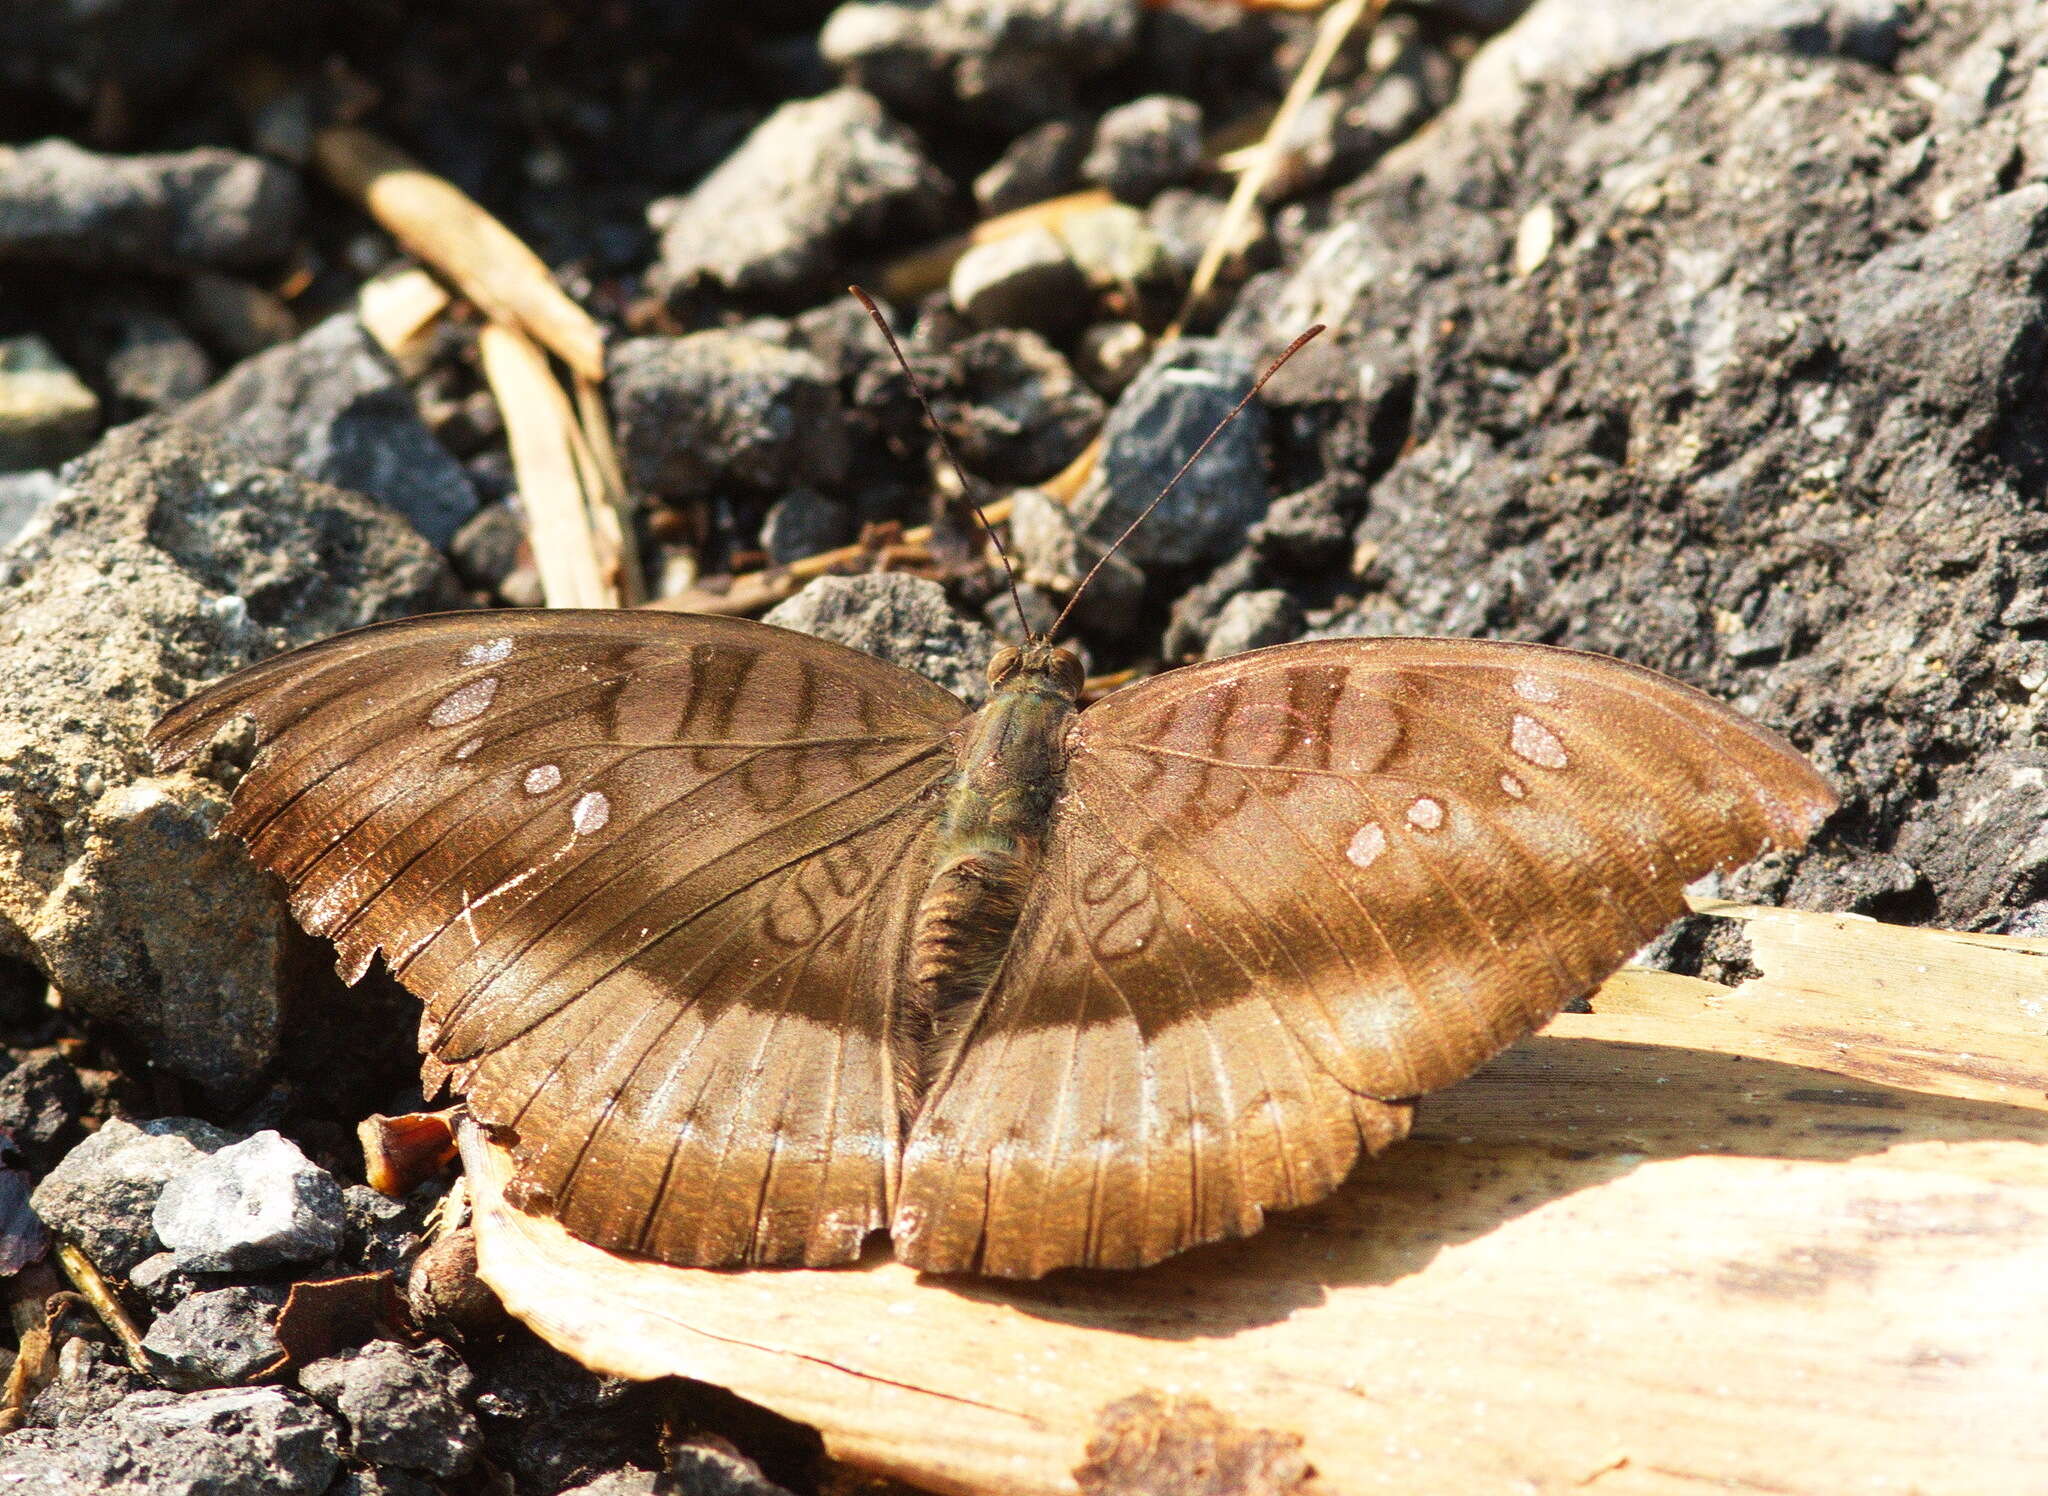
(751, 945)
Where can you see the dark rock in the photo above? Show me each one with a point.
(709, 1466)
(1145, 145)
(623, 1483)
(1110, 354)
(1253, 620)
(803, 523)
(375, 1482)
(380, 1232)
(166, 562)
(1186, 222)
(1002, 64)
(489, 547)
(1310, 532)
(1026, 279)
(154, 364)
(163, 1284)
(902, 619)
(1043, 162)
(718, 407)
(402, 1407)
(239, 319)
(59, 202)
(237, 1441)
(102, 1196)
(1157, 425)
(91, 1378)
(216, 1339)
(46, 412)
(1342, 131)
(256, 1203)
(1197, 611)
(331, 405)
(39, 1099)
(550, 1424)
(1013, 408)
(444, 1292)
(817, 177)
(141, 49)
(1052, 555)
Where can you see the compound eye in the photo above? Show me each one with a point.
(1068, 672)
(1003, 664)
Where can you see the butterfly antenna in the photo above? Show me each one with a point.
(1129, 530)
(966, 486)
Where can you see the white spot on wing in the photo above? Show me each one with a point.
(468, 748)
(541, 778)
(1535, 688)
(1537, 743)
(1513, 786)
(1425, 814)
(1367, 844)
(490, 652)
(590, 812)
(464, 703)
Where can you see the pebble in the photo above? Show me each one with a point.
(803, 523)
(1253, 620)
(1144, 146)
(154, 364)
(1043, 162)
(697, 412)
(403, 1407)
(256, 1203)
(1110, 354)
(487, 549)
(1025, 279)
(178, 211)
(1014, 408)
(103, 1193)
(331, 405)
(47, 413)
(379, 1232)
(39, 1099)
(91, 1378)
(1052, 555)
(1162, 418)
(1124, 261)
(1186, 222)
(815, 178)
(903, 619)
(216, 1339)
(22, 497)
(248, 1441)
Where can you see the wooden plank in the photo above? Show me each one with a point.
(1637, 1253)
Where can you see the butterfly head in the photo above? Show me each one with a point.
(1037, 666)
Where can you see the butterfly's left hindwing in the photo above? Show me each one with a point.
(1286, 890)
(654, 877)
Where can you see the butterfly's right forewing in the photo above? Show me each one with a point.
(654, 877)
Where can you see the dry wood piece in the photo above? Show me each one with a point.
(400, 1153)
(94, 1290)
(550, 457)
(443, 226)
(1681, 1241)
(398, 309)
(923, 271)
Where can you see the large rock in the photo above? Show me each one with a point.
(203, 208)
(166, 562)
(331, 405)
(236, 1441)
(817, 177)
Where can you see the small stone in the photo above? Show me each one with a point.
(218, 208)
(815, 178)
(380, 1232)
(331, 405)
(39, 1099)
(1253, 620)
(163, 1284)
(696, 412)
(103, 1193)
(403, 1407)
(375, 1482)
(444, 1292)
(902, 619)
(488, 548)
(155, 364)
(91, 1378)
(22, 496)
(1145, 145)
(216, 1339)
(1110, 354)
(1014, 409)
(1052, 555)
(1043, 162)
(1124, 261)
(709, 1466)
(1186, 222)
(804, 523)
(1162, 418)
(248, 1441)
(1310, 532)
(46, 412)
(1026, 279)
(257, 1203)
(624, 1483)
(236, 316)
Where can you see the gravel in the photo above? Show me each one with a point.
(216, 1339)
(256, 1203)
(402, 1407)
(102, 1197)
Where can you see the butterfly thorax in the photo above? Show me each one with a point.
(991, 830)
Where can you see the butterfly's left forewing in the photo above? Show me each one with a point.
(1284, 891)
(654, 877)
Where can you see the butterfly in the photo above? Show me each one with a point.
(750, 945)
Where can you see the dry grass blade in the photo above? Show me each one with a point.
(553, 478)
(1336, 27)
(925, 270)
(398, 309)
(605, 479)
(94, 1290)
(1670, 1244)
(445, 228)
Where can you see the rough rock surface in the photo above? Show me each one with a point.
(236, 1441)
(1716, 345)
(904, 620)
(103, 1195)
(330, 405)
(403, 1407)
(207, 207)
(817, 176)
(256, 1203)
(166, 563)
(216, 1339)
